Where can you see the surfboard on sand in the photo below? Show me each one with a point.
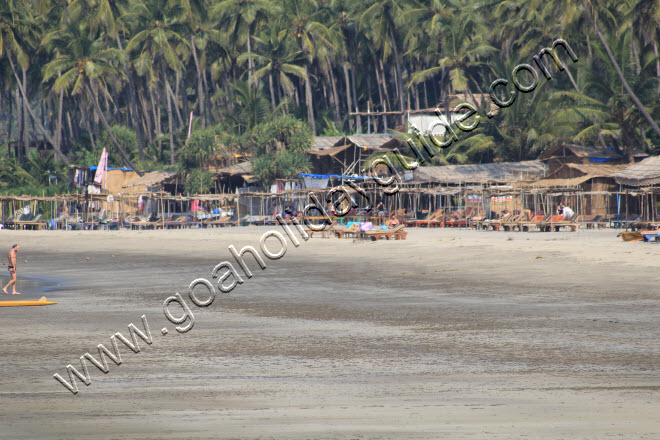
(42, 302)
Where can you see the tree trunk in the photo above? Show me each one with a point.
(250, 60)
(121, 150)
(134, 107)
(174, 102)
(169, 115)
(26, 133)
(632, 95)
(148, 130)
(272, 92)
(60, 113)
(9, 117)
(380, 93)
(209, 115)
(200, 93)
(334, 92)
(354, 87)
(157, 120)
(20, 110)
(308, 99)
(47, 135)
(657, 61)
(349, 102)
(399, 78)
(384, 85)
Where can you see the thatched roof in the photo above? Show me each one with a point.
(574, 174)
(237, 170)
(324, 142)
(152, 179)
(371, 141)
(500, 171)
(646, 172)
(366, 141)
(593, 152)
(595, 169)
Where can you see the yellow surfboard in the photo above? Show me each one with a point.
(42, 302)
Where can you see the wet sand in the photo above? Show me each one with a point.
(449, 334)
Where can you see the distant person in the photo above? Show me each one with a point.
(393, 222)
(381, 209)
(565, 211)
(12, 270)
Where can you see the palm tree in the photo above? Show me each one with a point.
(279, 59)
(238, 18)
(158, 40)
(380, 17)
(87, 63)
(252, 106)
(16, 31)
(604, 114)
(307, 28)
(594, 12)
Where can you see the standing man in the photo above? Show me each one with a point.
(12, 270)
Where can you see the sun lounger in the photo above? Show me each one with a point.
(30, 222)
(327, 231)
(559, 221)
(430, 221)
(396, 233)
(216, 223)
(351, 231)
(495, 225)
(526, 225)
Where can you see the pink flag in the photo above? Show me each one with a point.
(101, 169)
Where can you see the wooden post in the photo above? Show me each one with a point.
(626, 211)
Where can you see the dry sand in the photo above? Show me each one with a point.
(450, 334)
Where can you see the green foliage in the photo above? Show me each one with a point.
(199, 181)
(33, 177)
(200, 147)
(126, 137)
(280, 148)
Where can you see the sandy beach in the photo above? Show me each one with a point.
(450, 334)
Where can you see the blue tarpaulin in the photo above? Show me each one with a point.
(93, 168)
(326, 176)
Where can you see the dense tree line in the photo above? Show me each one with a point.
(79, 73)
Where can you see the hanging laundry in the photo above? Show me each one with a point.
(102, 168)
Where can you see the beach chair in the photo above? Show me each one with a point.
(10, 222)
(413, 221)
(396, 233)
(495, 225)
(429, 219)
(515, 222)
(476, 220)
(531, 222)
(327, 231)
(352, 230)
(557, 222)
(217, 223)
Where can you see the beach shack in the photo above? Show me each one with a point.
(346, 155)
(641, 181)
(559, 155)
(488, 186)
(588, 188)
(232, 177)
